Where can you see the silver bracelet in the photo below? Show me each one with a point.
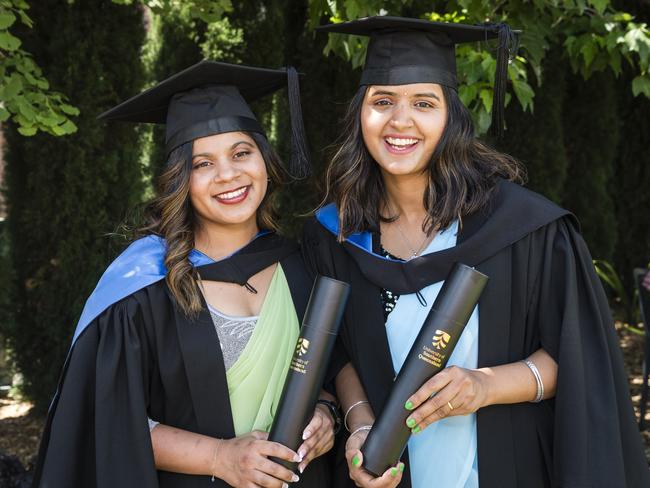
(360, 429)
(347, 412)
(538, 380)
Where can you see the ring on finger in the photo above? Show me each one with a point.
(451, 407)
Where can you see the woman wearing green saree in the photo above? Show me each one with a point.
(192, 328)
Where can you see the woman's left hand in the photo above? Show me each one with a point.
(456, 391)
(318, 436)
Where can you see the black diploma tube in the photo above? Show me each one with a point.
(429, 354)
(309, 363)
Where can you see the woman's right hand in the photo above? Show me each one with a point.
(244, 462)
(390, 479)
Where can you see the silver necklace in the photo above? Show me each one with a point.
(415, 252)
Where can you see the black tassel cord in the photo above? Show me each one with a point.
(508, 42)
(299, 164)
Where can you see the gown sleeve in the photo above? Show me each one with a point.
(596, 441)
(97, 433)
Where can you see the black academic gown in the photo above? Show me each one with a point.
(143, 358)
(542, 292)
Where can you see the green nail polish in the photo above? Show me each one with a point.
(393, 472)
(416, 430)
(401, 467)
(356, 461)
(408, 405)
(411, 423)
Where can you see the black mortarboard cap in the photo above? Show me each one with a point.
(212, 98)
(403, 51)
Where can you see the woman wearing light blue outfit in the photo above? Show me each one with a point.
(535, 394)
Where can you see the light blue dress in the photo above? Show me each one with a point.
(444, 454)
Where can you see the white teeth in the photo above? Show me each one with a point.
(394, 141)
(229, 195)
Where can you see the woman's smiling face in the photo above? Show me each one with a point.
(402, 125)
(228, 180)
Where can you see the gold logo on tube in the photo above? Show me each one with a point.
(440, 339)
(302, 346)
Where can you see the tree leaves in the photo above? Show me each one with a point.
(600, 5)
(524, 93)
(27, 130)
(641, 85)
(7, 19)
(25, 95)
(487, 99)
(13, 86)
(69, 109)
(206, 10)
(8, 42)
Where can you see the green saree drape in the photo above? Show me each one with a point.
(256, 379)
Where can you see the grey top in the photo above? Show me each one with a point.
(234, 333)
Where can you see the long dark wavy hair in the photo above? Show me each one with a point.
(462, 173)
(171, 216)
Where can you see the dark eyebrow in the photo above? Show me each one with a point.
(426, 95)
(383, 92)
(241, 142)
(231, 148)
(417, 95)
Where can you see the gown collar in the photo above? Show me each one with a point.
(512, 213)
(142, 264)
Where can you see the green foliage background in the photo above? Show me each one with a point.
(65, 193)
(578, 116)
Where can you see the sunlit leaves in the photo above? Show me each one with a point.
(206, 10)
(25, 94)
(476, 71)
(222, 40)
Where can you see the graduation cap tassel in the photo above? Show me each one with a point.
(299, 164)
(507, 46)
